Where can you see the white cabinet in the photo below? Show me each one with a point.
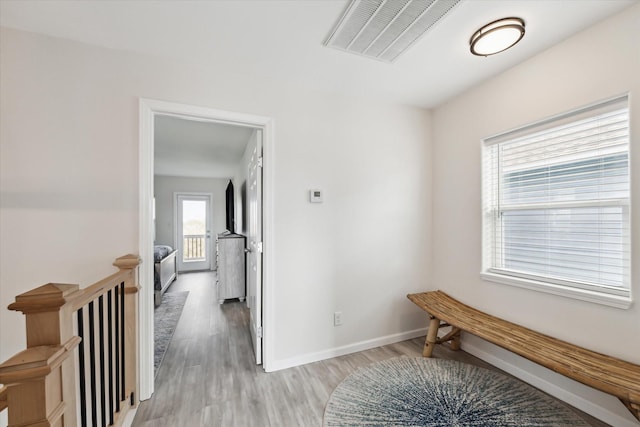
(231, 271)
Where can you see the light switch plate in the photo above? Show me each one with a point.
(315, 196)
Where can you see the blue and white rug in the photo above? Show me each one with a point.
(165, 320)
(436, 392)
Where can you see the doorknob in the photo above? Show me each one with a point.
(247, 250)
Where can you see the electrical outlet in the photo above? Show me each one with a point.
(337, 318)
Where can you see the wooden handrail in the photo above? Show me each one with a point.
(92, 292)
(40, 382)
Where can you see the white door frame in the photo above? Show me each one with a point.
(148, 109)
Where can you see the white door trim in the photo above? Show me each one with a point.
(148, 109)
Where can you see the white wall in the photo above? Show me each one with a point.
(69, 183)
(597, 64)
(166, 186)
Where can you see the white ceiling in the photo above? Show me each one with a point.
(282, 41)
(196, 148)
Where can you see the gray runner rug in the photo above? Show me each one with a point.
(165, 320)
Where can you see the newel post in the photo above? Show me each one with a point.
(41, 379)
(128, 264)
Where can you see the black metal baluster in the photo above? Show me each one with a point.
(123, 396)
(110, 349)
(103, 403)
(117, 355)
(92, 366)
(83, 394)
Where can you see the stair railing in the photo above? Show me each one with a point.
(79, 368)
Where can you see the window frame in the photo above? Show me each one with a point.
(601, 294)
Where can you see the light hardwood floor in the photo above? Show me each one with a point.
(209, 378)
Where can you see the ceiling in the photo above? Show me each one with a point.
(197, 148)
(281, 42)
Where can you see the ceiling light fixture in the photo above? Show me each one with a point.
(497, 36)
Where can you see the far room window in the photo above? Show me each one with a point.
(556, 205)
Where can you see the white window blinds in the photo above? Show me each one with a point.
(556, 201)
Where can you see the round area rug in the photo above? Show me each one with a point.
(435, 392)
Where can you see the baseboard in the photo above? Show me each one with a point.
(346, 349)
(131, 414)
(595, 409)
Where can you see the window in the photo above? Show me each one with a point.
(556, 205)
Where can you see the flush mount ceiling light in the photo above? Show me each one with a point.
(497, 36)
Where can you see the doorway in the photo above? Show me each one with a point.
(193, 231)
(149, 109)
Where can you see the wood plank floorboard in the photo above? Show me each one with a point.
(209, 378)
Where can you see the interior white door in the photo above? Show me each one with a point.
(254, 246)
(193, 229)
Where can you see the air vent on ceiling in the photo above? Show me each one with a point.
(383, 29)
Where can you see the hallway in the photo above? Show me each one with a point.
(209, 378)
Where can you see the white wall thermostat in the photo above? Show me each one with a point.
(315, 196)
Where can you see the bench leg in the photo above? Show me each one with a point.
(633, 407)
(455, 342)
(453, 336)
(432, 336)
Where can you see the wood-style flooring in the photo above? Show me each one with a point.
(209, 378)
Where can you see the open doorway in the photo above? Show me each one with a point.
(150, 111)
(193, 231)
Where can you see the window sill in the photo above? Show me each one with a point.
(565, 291)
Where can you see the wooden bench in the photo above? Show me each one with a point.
(605, 373)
